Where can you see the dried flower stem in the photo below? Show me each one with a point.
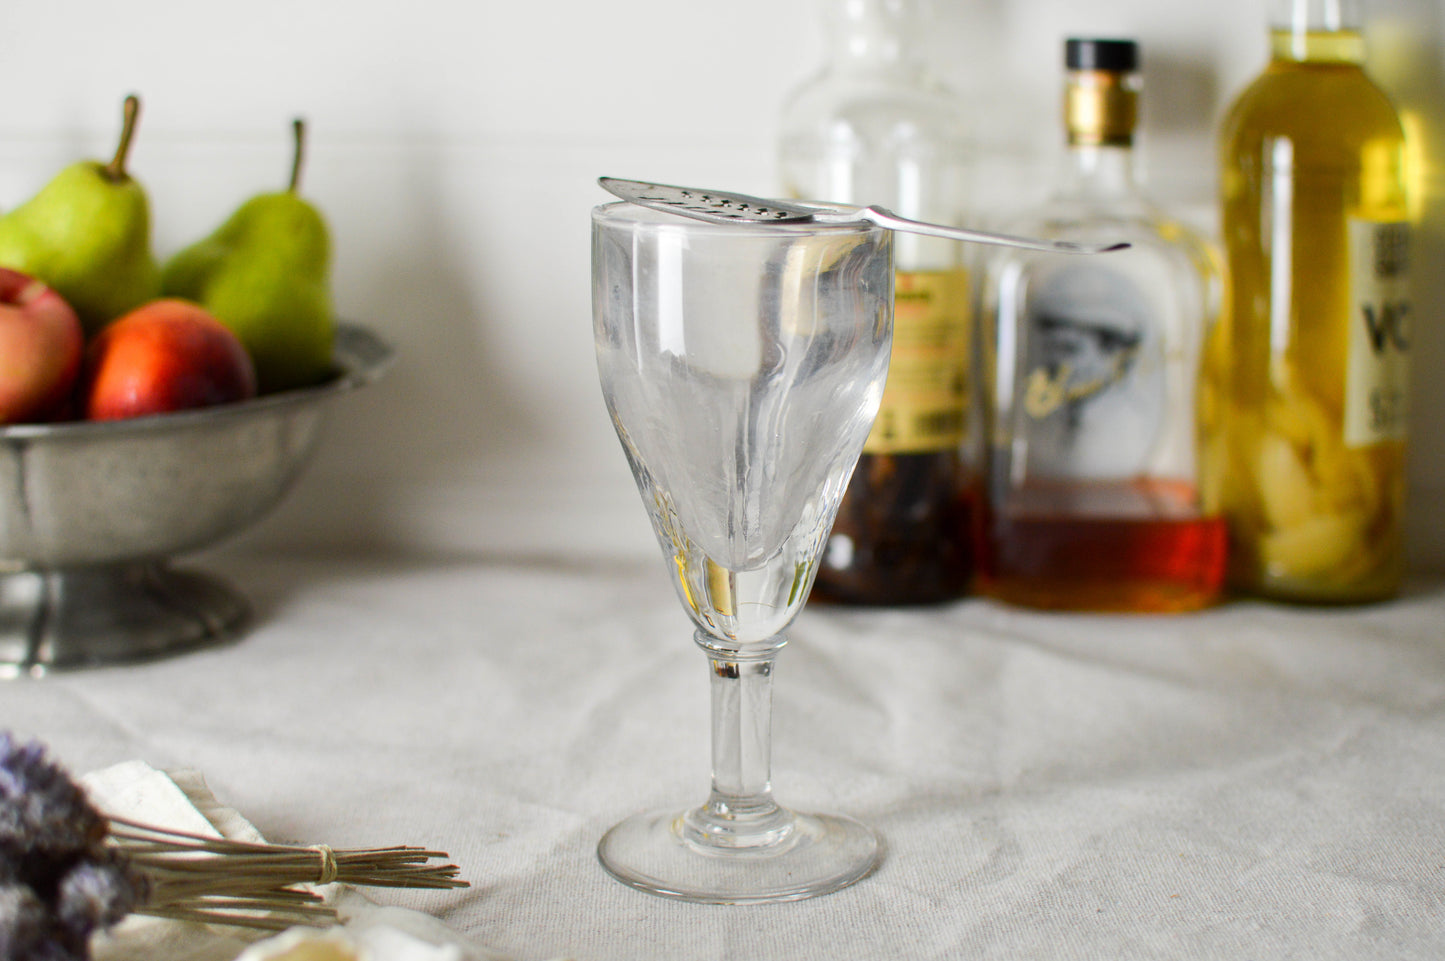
(216, 880)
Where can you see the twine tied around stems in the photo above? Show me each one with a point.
(329, 870)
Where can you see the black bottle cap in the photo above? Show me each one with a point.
(1116, 56)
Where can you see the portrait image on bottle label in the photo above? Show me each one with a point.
(1377, 384)
(1093, 390)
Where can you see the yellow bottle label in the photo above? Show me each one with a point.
(1377, 377)
(925, 402)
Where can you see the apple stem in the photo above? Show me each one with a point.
(298, 126)
(115, 170)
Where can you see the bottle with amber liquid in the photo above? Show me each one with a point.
(1093, 497)
(1308, 432)
(875, 127)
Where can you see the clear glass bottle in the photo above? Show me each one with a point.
(875, 126)
(1309, 369)
(1091, 370)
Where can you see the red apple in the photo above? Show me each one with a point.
(41, 345)
(164, 356)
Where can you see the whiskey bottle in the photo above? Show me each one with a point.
(876, 127)
(1307, 439)
(1093, 498)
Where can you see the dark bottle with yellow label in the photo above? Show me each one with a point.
(1093, 494)
(874, 127)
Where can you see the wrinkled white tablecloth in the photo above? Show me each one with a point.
(1254, 782)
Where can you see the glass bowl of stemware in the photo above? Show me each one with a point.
(92, 513)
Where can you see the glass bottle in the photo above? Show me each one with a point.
(1308, 435)
(1091, 367)
(875, 126)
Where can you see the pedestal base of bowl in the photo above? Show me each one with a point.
(65, 618)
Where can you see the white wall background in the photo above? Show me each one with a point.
(454, 148)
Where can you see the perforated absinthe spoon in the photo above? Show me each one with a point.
(724, 207)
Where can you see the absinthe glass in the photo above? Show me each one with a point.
(743, 366)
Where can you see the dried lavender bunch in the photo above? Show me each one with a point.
(68, 871)
(60, 881)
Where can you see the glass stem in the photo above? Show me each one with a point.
(740, 814)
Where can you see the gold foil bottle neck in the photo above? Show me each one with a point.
(1101, 108)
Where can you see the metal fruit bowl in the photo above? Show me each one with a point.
(92, 513)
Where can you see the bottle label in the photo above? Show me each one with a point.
(1377, 378)
(925, 402)
(1093, 394)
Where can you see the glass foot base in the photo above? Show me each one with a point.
(820, 854)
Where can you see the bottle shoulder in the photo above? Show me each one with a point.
(1161, 245)
(839, 83)
(1133, 216)
(1311, 102)
(836, 105)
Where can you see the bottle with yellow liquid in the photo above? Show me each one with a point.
(874, 126)
(1306, 403)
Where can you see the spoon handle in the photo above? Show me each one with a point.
(887, 218)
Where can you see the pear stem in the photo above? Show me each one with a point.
(298, 126)
(115, 170)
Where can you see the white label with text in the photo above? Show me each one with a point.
(1377, 384)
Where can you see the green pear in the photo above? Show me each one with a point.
(87, 234)
(266, 274)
